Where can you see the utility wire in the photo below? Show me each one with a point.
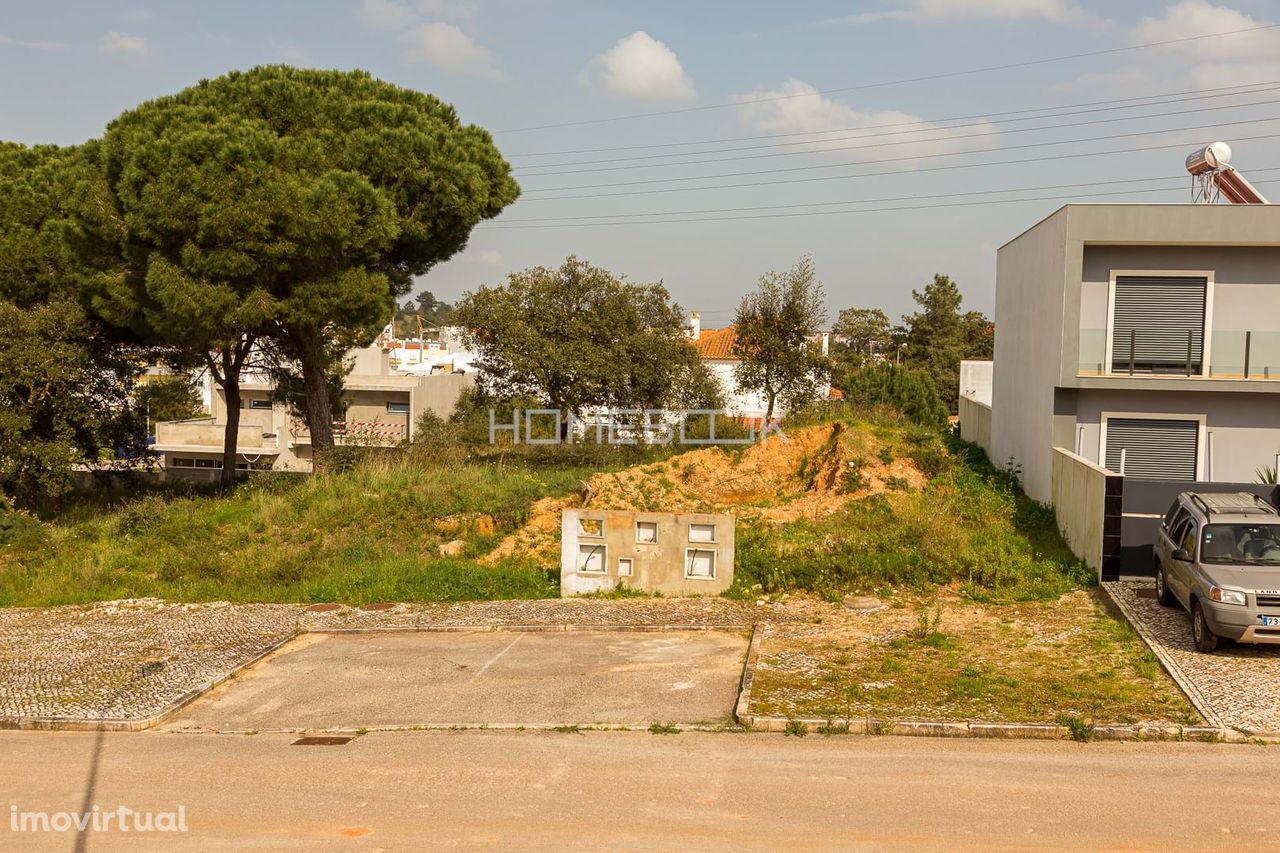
(924, 78)
(900, 142)
(844, 212)
(1243, 89)
(859, 201)
(859, 175)
(809, 168)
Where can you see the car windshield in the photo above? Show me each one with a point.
(1252, 544)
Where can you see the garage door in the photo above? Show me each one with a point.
(1153, 449)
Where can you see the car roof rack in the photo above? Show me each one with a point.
(1233, 503)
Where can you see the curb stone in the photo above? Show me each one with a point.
(1006, 731)
(748, 675)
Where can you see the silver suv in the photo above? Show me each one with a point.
(1218, 555)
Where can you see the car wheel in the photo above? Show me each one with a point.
(1205, 640)
(1163, 593)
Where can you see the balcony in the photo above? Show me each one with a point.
(206, 435)
(385, 433)
(1152, 353)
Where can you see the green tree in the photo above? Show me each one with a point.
(772, 330)
(326, 191)
(65, 377)
(979, 335)
(424, 310)
(165, 398)
(939, 336)
(578, 337)
(866, 331)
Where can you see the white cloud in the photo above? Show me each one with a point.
(386, 15)
(1058, 11)
(796, 107)
(1250, 57)
(122, 44)
(448, 48)
(455, 9)
(641, 68)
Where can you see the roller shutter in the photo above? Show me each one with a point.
(1154, 318)
(1154, 450)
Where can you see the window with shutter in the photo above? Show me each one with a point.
(1153, 449)
(1157, 325)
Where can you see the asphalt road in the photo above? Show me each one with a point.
(635, 790)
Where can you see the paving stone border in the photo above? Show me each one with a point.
(1235, 689)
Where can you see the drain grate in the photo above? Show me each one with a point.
(322, 740)
(1145, 592)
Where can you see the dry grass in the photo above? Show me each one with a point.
(1027, 662)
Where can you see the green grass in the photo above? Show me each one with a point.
(970, 526)
(1037, 661)
(371, 529)
(364, 534)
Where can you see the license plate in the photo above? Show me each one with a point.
(1269, 621)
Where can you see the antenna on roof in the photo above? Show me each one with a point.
(1212, 178)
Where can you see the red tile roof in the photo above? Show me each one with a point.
(716, 343)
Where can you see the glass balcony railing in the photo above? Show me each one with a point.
(1228, 354)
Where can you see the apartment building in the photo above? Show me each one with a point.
(383, 407)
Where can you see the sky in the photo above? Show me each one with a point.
(862, 133)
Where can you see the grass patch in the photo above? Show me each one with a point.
(664, 729)
(970, 525)
(364, 532)
(1025, 662)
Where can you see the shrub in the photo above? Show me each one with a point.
(911, 391)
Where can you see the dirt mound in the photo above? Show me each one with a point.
(810, 473)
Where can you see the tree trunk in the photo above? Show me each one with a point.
(230, 453)
(319, 409)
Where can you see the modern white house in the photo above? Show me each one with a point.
(1142, 340)
(383, 407)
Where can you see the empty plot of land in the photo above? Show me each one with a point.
(351, 681)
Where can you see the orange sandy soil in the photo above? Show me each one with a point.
(777, 480)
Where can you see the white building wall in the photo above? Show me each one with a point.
(1030, 277)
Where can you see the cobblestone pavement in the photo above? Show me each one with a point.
(1237, 686)
(131, 660)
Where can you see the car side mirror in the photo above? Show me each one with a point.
(1181, 555)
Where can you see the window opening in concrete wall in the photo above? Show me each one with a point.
(591, 559)
(647, 532)
(700, 563)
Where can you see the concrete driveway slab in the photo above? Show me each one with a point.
(391, 680)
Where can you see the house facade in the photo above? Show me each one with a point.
(383, 407)
(1145, 339)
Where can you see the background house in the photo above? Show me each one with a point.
(383, 407)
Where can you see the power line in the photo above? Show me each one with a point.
(859, 175)
(856, 201)
(788, 169)
(844, 212)
(1244, 89)
(1112, 120)
(939, 76)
